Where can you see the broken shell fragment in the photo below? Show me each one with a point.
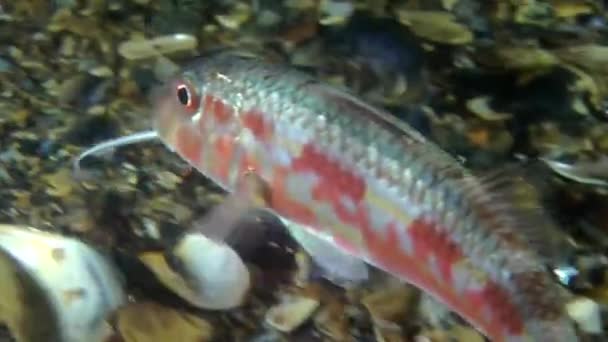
(291, 312)
(207, 274)
(589, 172)
(149, 321)
(146, 48)
(439, 27)
(480, 106)
(68, 280)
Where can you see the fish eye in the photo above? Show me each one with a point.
(183, 95)
(187, 96)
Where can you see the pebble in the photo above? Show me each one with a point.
(480, 106)
(168, 180)
(332, 320)
(456, 334)
(336, 11)
(586, 313)
(102, 71)
(60, 183)
(291, 313)
(389, 305)
(240, 14)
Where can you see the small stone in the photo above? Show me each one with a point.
(586, 313)
(388, 305)
(168, 180)
(304, 269)
(96, 110)
(60, 183)
(480, 106)
(102, 71)
(466, 334)
(145, 48)
(292, 312)
(336, 11)
(268, 18)
(148, 321)
(239, 15)
(332, 320)
(457, 333)
(440, 27)
(68, 46)
(388, 334)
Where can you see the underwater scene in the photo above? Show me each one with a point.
(303, 170)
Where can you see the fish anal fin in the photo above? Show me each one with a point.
(222, 221)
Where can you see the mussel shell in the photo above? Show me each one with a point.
(68, 290)
(25, 308)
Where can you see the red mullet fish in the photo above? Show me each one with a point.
(357, 186)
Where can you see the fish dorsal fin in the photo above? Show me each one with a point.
(510, 194)
(356, 106)
(415, 143)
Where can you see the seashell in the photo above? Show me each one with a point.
(589, 171)
(206, 273)
(56, 280)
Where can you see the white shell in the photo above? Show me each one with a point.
(79, 283)
(218, 277)
(586, 313)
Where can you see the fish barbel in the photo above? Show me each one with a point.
(367, 184)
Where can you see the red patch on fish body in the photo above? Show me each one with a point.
(253, 119)
(335, 181)
(282, 202)
(224, 148)
(220, 111)
(427, 241)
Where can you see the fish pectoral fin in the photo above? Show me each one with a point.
(223, 220)
(337, 266)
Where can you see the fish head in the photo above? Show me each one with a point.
(176, 104)
(194, 117)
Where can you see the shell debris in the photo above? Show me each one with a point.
(291, 312)
(136, 49)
